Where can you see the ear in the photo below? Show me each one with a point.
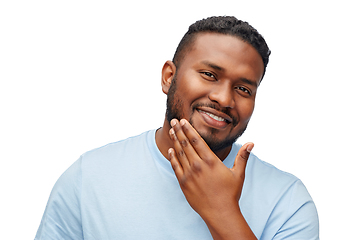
(168, 73)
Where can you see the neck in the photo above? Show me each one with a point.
(163, 140)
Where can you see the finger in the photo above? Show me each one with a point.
(242, 158)
(175, 164)
(184, 145)
(179, 151)
(197, 142)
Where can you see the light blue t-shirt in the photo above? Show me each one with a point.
(128, 190)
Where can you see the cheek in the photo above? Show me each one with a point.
(190, 87)
(246, 109)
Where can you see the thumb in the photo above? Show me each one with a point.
(241, 158)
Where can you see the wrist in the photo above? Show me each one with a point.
(228, 223)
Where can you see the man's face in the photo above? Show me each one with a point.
(215, 88)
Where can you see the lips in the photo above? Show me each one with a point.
(217, 118)
(214, 118)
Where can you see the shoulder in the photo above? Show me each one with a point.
(62, 216)
(118, 148)
(274, 182)
(281, 201)
(264, 172)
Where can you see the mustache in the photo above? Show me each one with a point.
(235, 121)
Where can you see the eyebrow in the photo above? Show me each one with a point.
(212, 65)
(250, 82)
(216, 67)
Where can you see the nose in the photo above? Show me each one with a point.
(223, 95)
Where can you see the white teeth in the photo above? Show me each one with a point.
(217, 118)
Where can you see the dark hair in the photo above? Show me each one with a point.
(224, 25)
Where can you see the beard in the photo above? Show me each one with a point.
(174, 109)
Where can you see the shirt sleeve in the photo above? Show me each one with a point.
(62, 216)
(301, 220)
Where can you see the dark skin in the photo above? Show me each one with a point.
(224, 72)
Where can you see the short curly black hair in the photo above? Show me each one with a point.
(224, 25)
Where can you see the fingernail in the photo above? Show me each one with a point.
(182, 122)
(249, 148)
(170, 152)
(173, 122)
(172, 134)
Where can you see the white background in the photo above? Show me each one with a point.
(76, 75)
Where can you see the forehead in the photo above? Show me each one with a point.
(227, 51)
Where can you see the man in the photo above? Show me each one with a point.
(188, 179)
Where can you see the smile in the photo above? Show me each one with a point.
(213, 116)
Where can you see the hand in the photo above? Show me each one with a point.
(208, 185)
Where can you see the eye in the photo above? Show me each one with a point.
(208, 75)
(243, 90)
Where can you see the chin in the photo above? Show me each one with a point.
(216, 144)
